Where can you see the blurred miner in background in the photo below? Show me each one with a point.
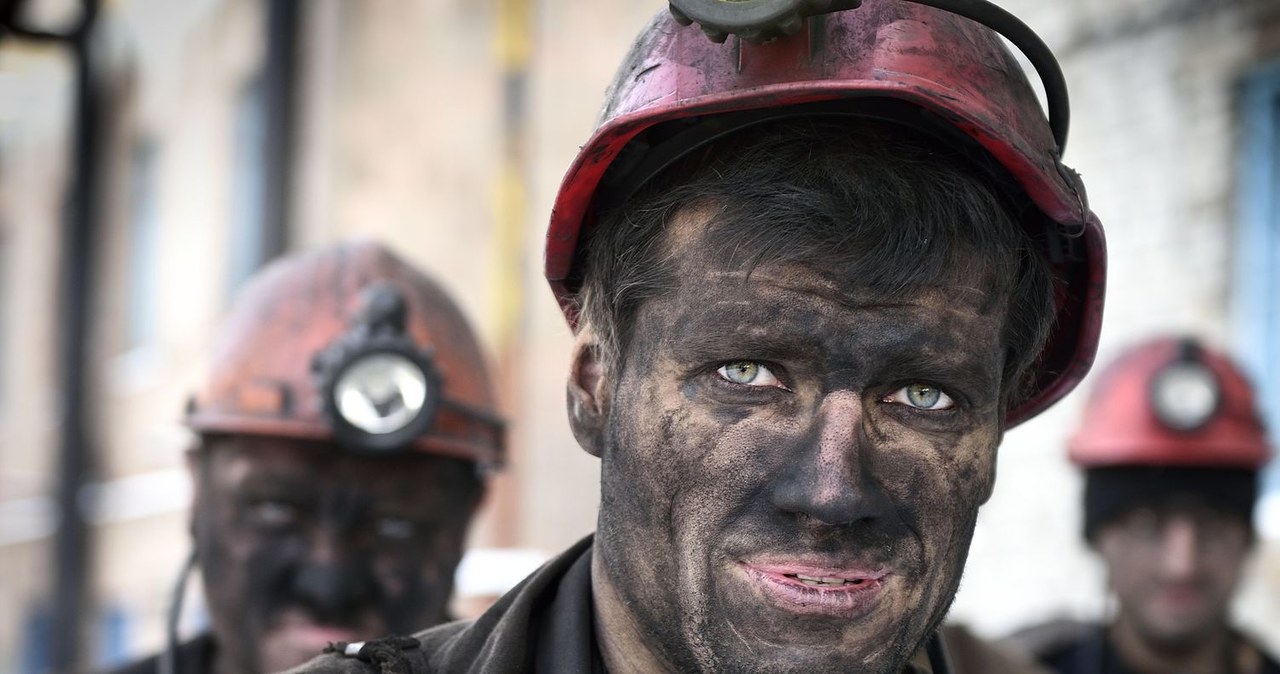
(343, 435)
(814, 272)
(1171, 445)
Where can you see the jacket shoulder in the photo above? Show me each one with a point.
(970, 654)
(1046, 640)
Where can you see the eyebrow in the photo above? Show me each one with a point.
(914, 351)
(703, 342)
(966, 374)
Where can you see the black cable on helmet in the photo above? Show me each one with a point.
(1031, 46)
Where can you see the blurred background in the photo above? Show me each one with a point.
(155, 153)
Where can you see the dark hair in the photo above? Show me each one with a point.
(1112, 492)
(893, 207)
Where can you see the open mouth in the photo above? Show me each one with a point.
(829, 582)
(843, 593)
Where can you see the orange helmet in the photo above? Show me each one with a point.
(1172, 403)
(941, 73)
(352, 345)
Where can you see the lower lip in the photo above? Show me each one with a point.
(848, 601)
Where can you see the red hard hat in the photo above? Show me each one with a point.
(264, 374)
(1171, 402)
(895, 60)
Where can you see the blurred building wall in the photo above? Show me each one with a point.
(33, 142)
(399, 123)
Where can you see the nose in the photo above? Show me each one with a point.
(1180, 548)
(333, 583)
(830, 479)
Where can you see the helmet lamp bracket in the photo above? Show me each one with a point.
(755, 21)
(379, 390)
(1185, 394)
(760, 21)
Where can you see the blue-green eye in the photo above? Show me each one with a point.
(922, 397)
(748, 373)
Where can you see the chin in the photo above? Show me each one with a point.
(766, 621)
(1177, 635)
(862, 659)
(290, 645)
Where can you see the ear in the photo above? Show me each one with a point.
(587, 393)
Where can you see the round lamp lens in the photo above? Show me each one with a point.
(381, 393)
(1185, 396)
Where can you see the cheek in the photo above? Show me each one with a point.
(415, 570)
(415, 581)
(940, 474)
(1227, 566)
(1125, 569)
(221, 546)
(648, 445)
(698, 465)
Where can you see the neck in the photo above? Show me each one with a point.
(1209, 655)
(622, 644)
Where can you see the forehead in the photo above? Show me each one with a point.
(719, 271)
(239, 461)
(866, 264)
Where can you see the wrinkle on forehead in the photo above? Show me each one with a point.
(696, 251)
(967, 300)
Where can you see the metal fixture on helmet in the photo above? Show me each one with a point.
(380, 391)
(760, 21)
(1185, 393)
(753, 20)
(351, 345)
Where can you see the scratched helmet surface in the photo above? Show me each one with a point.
(893, 60)
(263, 375)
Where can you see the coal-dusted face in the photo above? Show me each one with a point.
(792, 464)
(300, 545)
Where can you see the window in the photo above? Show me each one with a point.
(37, 634)
(115, 628)
(1257, 282)
(247, 243)
(6, 319)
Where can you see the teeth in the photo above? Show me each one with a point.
(821, 580)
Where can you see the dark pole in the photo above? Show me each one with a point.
(75, 464)
(280, 76)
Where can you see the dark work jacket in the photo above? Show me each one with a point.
(193, 657)
(1082, 648)
(545, 626)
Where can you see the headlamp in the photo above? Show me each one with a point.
(380, 390)
(1185, 394)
